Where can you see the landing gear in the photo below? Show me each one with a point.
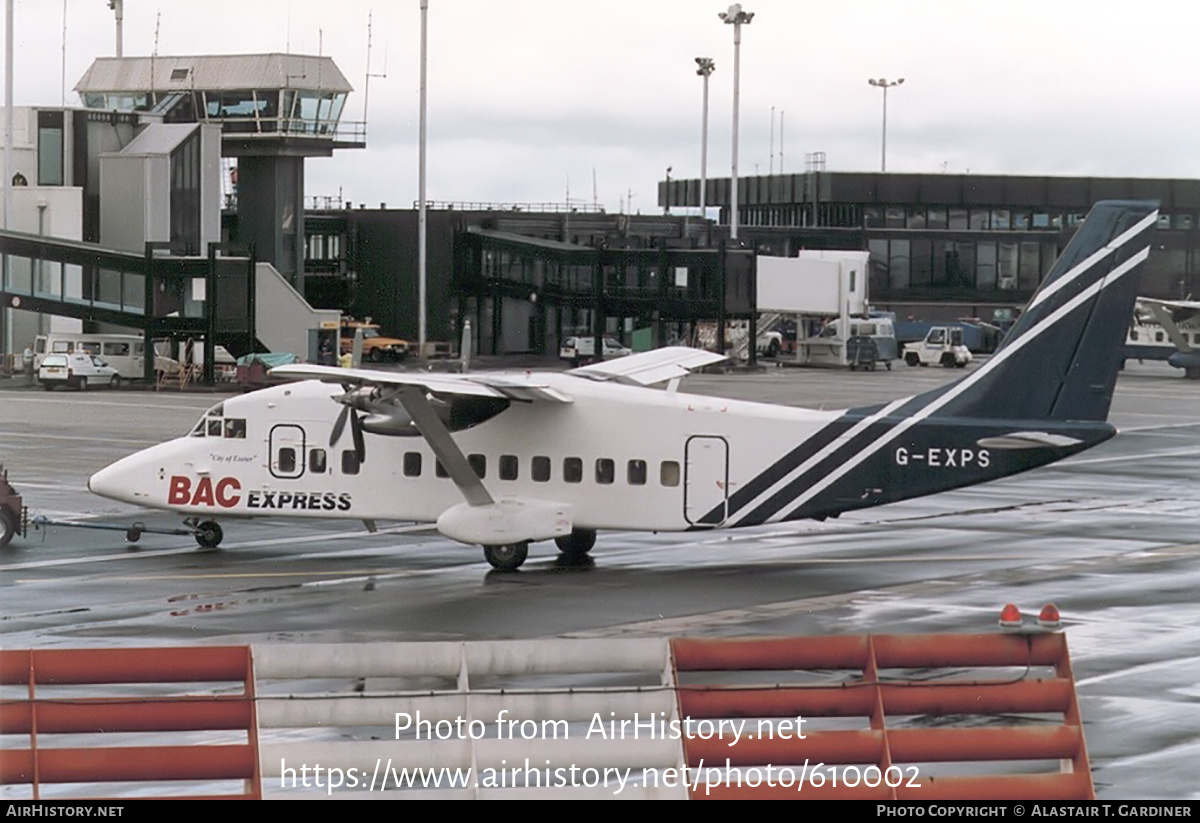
(507, 558)
(576, 544)
(208, 534)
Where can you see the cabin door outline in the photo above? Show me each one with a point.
(706, 481)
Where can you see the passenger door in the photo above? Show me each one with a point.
(706, 481)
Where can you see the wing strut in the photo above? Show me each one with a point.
(447, 451)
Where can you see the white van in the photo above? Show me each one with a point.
(124, 352)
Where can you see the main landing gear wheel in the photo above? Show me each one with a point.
(576, 544)
(507, 558)
(209, 534)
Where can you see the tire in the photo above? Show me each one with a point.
(1192, 373)
(912, 358)
(948, 360)
(773, 349)
(8, 525)
(82, 384)
(115, 383)
(506, 558)
(375, 355)
(576, 544)
(209, 534)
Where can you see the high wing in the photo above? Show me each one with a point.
(1169, 314)
(394, 402)
(481, 384)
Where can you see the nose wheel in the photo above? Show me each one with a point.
(208, 533)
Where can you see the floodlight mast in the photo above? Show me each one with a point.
(706, 66)
(885, 84)
(737, 17)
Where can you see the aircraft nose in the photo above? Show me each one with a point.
(108, 482)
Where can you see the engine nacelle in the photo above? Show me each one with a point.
(505, 522)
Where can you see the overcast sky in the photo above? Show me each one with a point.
(526, 96)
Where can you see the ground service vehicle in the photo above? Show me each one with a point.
(943, 345)
(76, 371)
(506, 459)
(124, 352)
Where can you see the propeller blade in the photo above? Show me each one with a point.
(360, 447)
(339, 426)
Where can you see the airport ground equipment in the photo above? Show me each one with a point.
(919, 717)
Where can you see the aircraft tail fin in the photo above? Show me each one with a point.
(1060, 360)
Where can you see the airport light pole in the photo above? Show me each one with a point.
(706, 66)
(735, 16)
(885, 84)
(422, 255)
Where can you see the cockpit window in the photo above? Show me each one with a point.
(198, 431)
(235, 427)
(214, 427)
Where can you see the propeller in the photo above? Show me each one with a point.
(369, 409)
(351, 402)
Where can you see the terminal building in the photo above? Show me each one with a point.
(945, 245)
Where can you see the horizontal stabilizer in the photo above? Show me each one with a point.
(1028, 440)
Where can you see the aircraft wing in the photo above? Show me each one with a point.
(1169, 314)
(1180, 309)
(650, 367)
(479, 384)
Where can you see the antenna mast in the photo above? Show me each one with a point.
(367, 80)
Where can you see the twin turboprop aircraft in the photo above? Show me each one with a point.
(503, 460)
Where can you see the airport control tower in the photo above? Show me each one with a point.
(274, 110)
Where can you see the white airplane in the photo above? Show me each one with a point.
(504, 460)
(1164, 334)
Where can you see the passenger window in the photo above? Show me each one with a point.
(478, 464)
(349, 462)
(668, 473)
(573, 470)
(606, 470)
(235, 427)
(540, 470)
(316, 460)
(1158, 337)
(412, 464)
(287, 460)
(637, 472)
(508, 466)
(439, 469)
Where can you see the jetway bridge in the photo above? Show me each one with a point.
(164, 296)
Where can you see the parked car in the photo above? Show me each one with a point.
(377, 347)
(76, 370)
(577, 349)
